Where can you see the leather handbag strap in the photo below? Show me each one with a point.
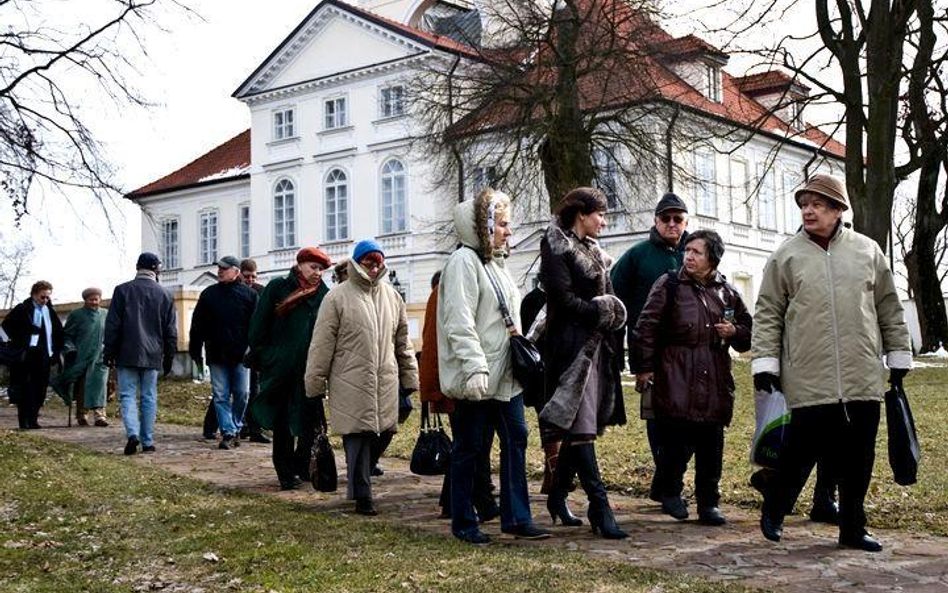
(508, 321)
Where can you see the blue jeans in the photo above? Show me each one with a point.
(230, 380)
(471, 420)
(131, 381)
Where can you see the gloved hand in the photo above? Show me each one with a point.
(70, 357)
(477, 385)
(108, 360)
(404, 403)
(896, 376)
(768, 382)
(166, 363)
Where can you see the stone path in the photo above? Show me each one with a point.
(807, 561)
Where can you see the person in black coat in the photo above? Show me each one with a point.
(220, 326)
(141, 338)
(34, 329)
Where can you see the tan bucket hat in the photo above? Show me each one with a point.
(831, 188)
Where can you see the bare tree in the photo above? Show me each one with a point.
(47, 72)
(14, 266)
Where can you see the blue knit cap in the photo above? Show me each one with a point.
(365, 247)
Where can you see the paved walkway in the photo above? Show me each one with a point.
(807, 561)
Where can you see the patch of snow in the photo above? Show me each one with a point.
(940, 353)
(232, 172)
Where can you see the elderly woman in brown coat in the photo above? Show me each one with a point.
(681, 343)
(360, 357)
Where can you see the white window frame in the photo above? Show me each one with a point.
(482, 177)
(713, 82)
(741, 211)
(606, 174)
(243, 217)
(284, 124)
(791, 218)
(171, 243)
(284, 214)
(706, 183)
(336, 194)
(394, 216)
(208, 237)
(335, 113)
(392, 106)
(766, 198)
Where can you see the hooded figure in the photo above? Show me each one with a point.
(476, 369)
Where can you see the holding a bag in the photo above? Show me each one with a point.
(322, 464)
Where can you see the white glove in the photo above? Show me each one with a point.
(476, 385)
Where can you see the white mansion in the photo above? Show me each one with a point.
(328, 158)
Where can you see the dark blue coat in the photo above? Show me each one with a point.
(141, 326)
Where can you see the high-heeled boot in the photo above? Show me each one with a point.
(562, 475)
(583, 459)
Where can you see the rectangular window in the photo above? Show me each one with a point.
(712, 82)
(169, 244)
(284, 124)
(766, 199)
(706, 186)
(336, 113)
(245, 231)
(792, 219)
(208, 231)
(392, 101)
(740, 205)
(606, 171)
(482, 178)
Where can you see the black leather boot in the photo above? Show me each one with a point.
(583, 459)
(561, 467)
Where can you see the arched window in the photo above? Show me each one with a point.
(337, 205)
(394, 207)
(284, 215)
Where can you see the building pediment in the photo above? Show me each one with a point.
(337, 39)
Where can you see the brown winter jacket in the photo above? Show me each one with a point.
(693, 379)
(429, 384)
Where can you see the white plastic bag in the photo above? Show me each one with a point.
(773, 422)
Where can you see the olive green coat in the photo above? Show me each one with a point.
(278, 347)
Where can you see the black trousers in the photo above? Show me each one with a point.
(482, 496)
(682, 439)
(291, 454)
(842, 438)
(29, 381)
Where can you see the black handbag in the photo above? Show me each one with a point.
(904, 451)
(322, 460)
(432, 453)
(528, 368)
(11, 355)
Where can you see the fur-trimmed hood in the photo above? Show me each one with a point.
(472, 221)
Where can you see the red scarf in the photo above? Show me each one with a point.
(295, 298)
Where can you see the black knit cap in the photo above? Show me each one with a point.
(670, 201)
(148, 261)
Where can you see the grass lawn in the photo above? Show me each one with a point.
(627, 466)
(75, 521)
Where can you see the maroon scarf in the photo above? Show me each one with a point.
(296, 298)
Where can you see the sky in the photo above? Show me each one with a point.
(190, 73)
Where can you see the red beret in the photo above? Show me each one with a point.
(314, 254)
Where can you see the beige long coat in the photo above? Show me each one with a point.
(360, 354)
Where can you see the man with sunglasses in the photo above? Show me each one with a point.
(638, 269)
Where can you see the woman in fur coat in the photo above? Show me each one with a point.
(583, 387)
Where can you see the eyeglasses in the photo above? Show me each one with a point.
(666, 218)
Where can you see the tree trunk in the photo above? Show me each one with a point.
(924, 278)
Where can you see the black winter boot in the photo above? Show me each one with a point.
(583, 458)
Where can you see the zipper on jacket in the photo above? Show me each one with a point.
(832, 292)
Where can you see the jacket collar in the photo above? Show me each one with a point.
(360, 278)
(662, 244)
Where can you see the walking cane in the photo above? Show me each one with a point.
(69, 417)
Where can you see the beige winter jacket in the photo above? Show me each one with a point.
(360, 354)
(824, 319)
(472, 336)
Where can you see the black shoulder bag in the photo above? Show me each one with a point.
(528, 367)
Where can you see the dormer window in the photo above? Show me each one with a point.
(796, 115)
(712, 82)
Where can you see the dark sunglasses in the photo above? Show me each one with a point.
(666, 218)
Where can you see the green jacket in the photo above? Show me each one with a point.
(638, 269)
(83, 336)
(824, 319)
(278, 347)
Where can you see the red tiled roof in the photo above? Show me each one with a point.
(230, 160)
(687, 46)
(771, 80)
(439, 41)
